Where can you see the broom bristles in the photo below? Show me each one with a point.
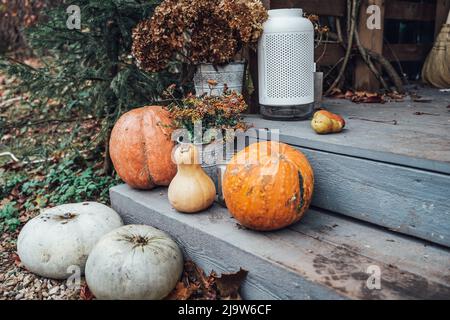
(436, 70)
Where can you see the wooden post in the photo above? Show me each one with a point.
(372, 40)
(442, 8)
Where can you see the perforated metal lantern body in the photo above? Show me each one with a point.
(286, 65)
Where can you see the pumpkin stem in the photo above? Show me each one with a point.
(66, 216)
(137, 240)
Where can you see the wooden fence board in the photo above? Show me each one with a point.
(410, 11)
(371, 39)
(325, 8)
(406, 52)
(329, 54)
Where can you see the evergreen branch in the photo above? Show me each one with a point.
(14, 60)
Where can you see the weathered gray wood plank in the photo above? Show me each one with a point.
(406, 200)
(419, 141)
(210, 240)
(403, 199)
(414, 256)
(322, 257)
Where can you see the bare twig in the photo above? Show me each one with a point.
(10, 101)
(16, 61)
(352, 9)
(369, 63)
(333, 67)
(366, 54)
(340, 38)
(324, 51)
(15, 159)
(426, 114)
(387, 66)
(397, 60)
(393, 122)
(9, 154)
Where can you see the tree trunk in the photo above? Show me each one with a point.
(107, 163)
(113, 54)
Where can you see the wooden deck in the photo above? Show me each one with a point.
(324, 256)
(381, 199)
(418, 141)
(394, 172)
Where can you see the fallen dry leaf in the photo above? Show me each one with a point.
(396, 96)
(229, 284)
(212, 83)
(349, 94)
(15, 257)
(337, 94)
(358, 96)
(196, 275)
(194, 285)
(367, 97)
(182, 291)
(85, 292)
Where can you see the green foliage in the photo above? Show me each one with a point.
(66, 182)
(8, 183)
(84, 81)
(90, 71)
(9, 217)
(71, 180)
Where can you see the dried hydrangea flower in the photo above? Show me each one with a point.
(199, 31)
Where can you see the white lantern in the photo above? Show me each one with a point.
(286, 65)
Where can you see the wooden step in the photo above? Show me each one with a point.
(395, 176)
(324, 256)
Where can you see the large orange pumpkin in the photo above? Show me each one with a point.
(268, 186)
(141, 148)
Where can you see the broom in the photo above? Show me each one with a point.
(436, 70)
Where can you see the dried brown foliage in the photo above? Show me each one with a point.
(196, 285)
(220, 113)
(197, 31)
(367, 97)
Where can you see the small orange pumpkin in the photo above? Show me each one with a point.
(268, 186)
(141, 148)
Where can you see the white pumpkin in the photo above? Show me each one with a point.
(62, 237)
(134, 262)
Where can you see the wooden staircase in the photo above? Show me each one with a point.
(381, 210)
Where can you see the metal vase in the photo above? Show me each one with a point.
(230, 75)
(214, 157)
